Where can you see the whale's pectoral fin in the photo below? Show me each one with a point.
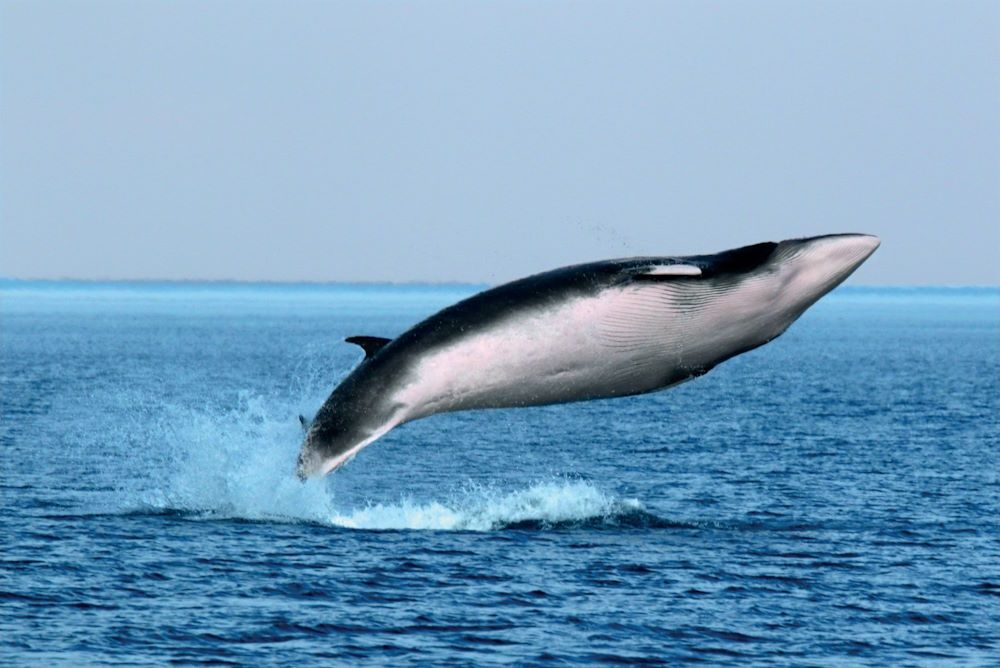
(370, 344)
(663, 272)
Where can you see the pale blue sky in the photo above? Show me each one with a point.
(477, 141)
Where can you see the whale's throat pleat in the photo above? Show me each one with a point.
(623, 340)
(645, 328)
(649, 316)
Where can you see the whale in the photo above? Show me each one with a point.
(598, 330)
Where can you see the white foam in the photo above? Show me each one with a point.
(239, 463)
(484, 508)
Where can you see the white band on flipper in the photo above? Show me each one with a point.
(673, 270)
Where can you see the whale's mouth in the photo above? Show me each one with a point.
(810, 268)
(835, 254)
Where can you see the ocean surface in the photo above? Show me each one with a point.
(829, 499)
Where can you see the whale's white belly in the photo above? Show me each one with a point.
(624, 340)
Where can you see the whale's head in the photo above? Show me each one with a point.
(807, 269)
(756, 292)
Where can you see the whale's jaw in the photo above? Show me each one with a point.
(810, 268)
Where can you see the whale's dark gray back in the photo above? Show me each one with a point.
(558, 285)
(362, 390)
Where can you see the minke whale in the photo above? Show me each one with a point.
(591, 331)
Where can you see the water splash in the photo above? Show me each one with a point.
(544, 504)
(238, 463)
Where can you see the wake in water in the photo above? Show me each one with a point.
(238, 464)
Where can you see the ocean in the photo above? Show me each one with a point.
(831, 498)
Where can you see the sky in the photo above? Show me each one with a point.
(482, 141)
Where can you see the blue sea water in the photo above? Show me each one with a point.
(829, 499)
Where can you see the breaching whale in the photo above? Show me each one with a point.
(603, 329)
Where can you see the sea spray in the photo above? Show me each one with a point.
(236, 463)
(486, 507)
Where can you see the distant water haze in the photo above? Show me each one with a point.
(480, 142)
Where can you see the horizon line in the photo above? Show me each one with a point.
(407, 283)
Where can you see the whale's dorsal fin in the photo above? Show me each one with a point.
(668, 271)
(370, 344)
